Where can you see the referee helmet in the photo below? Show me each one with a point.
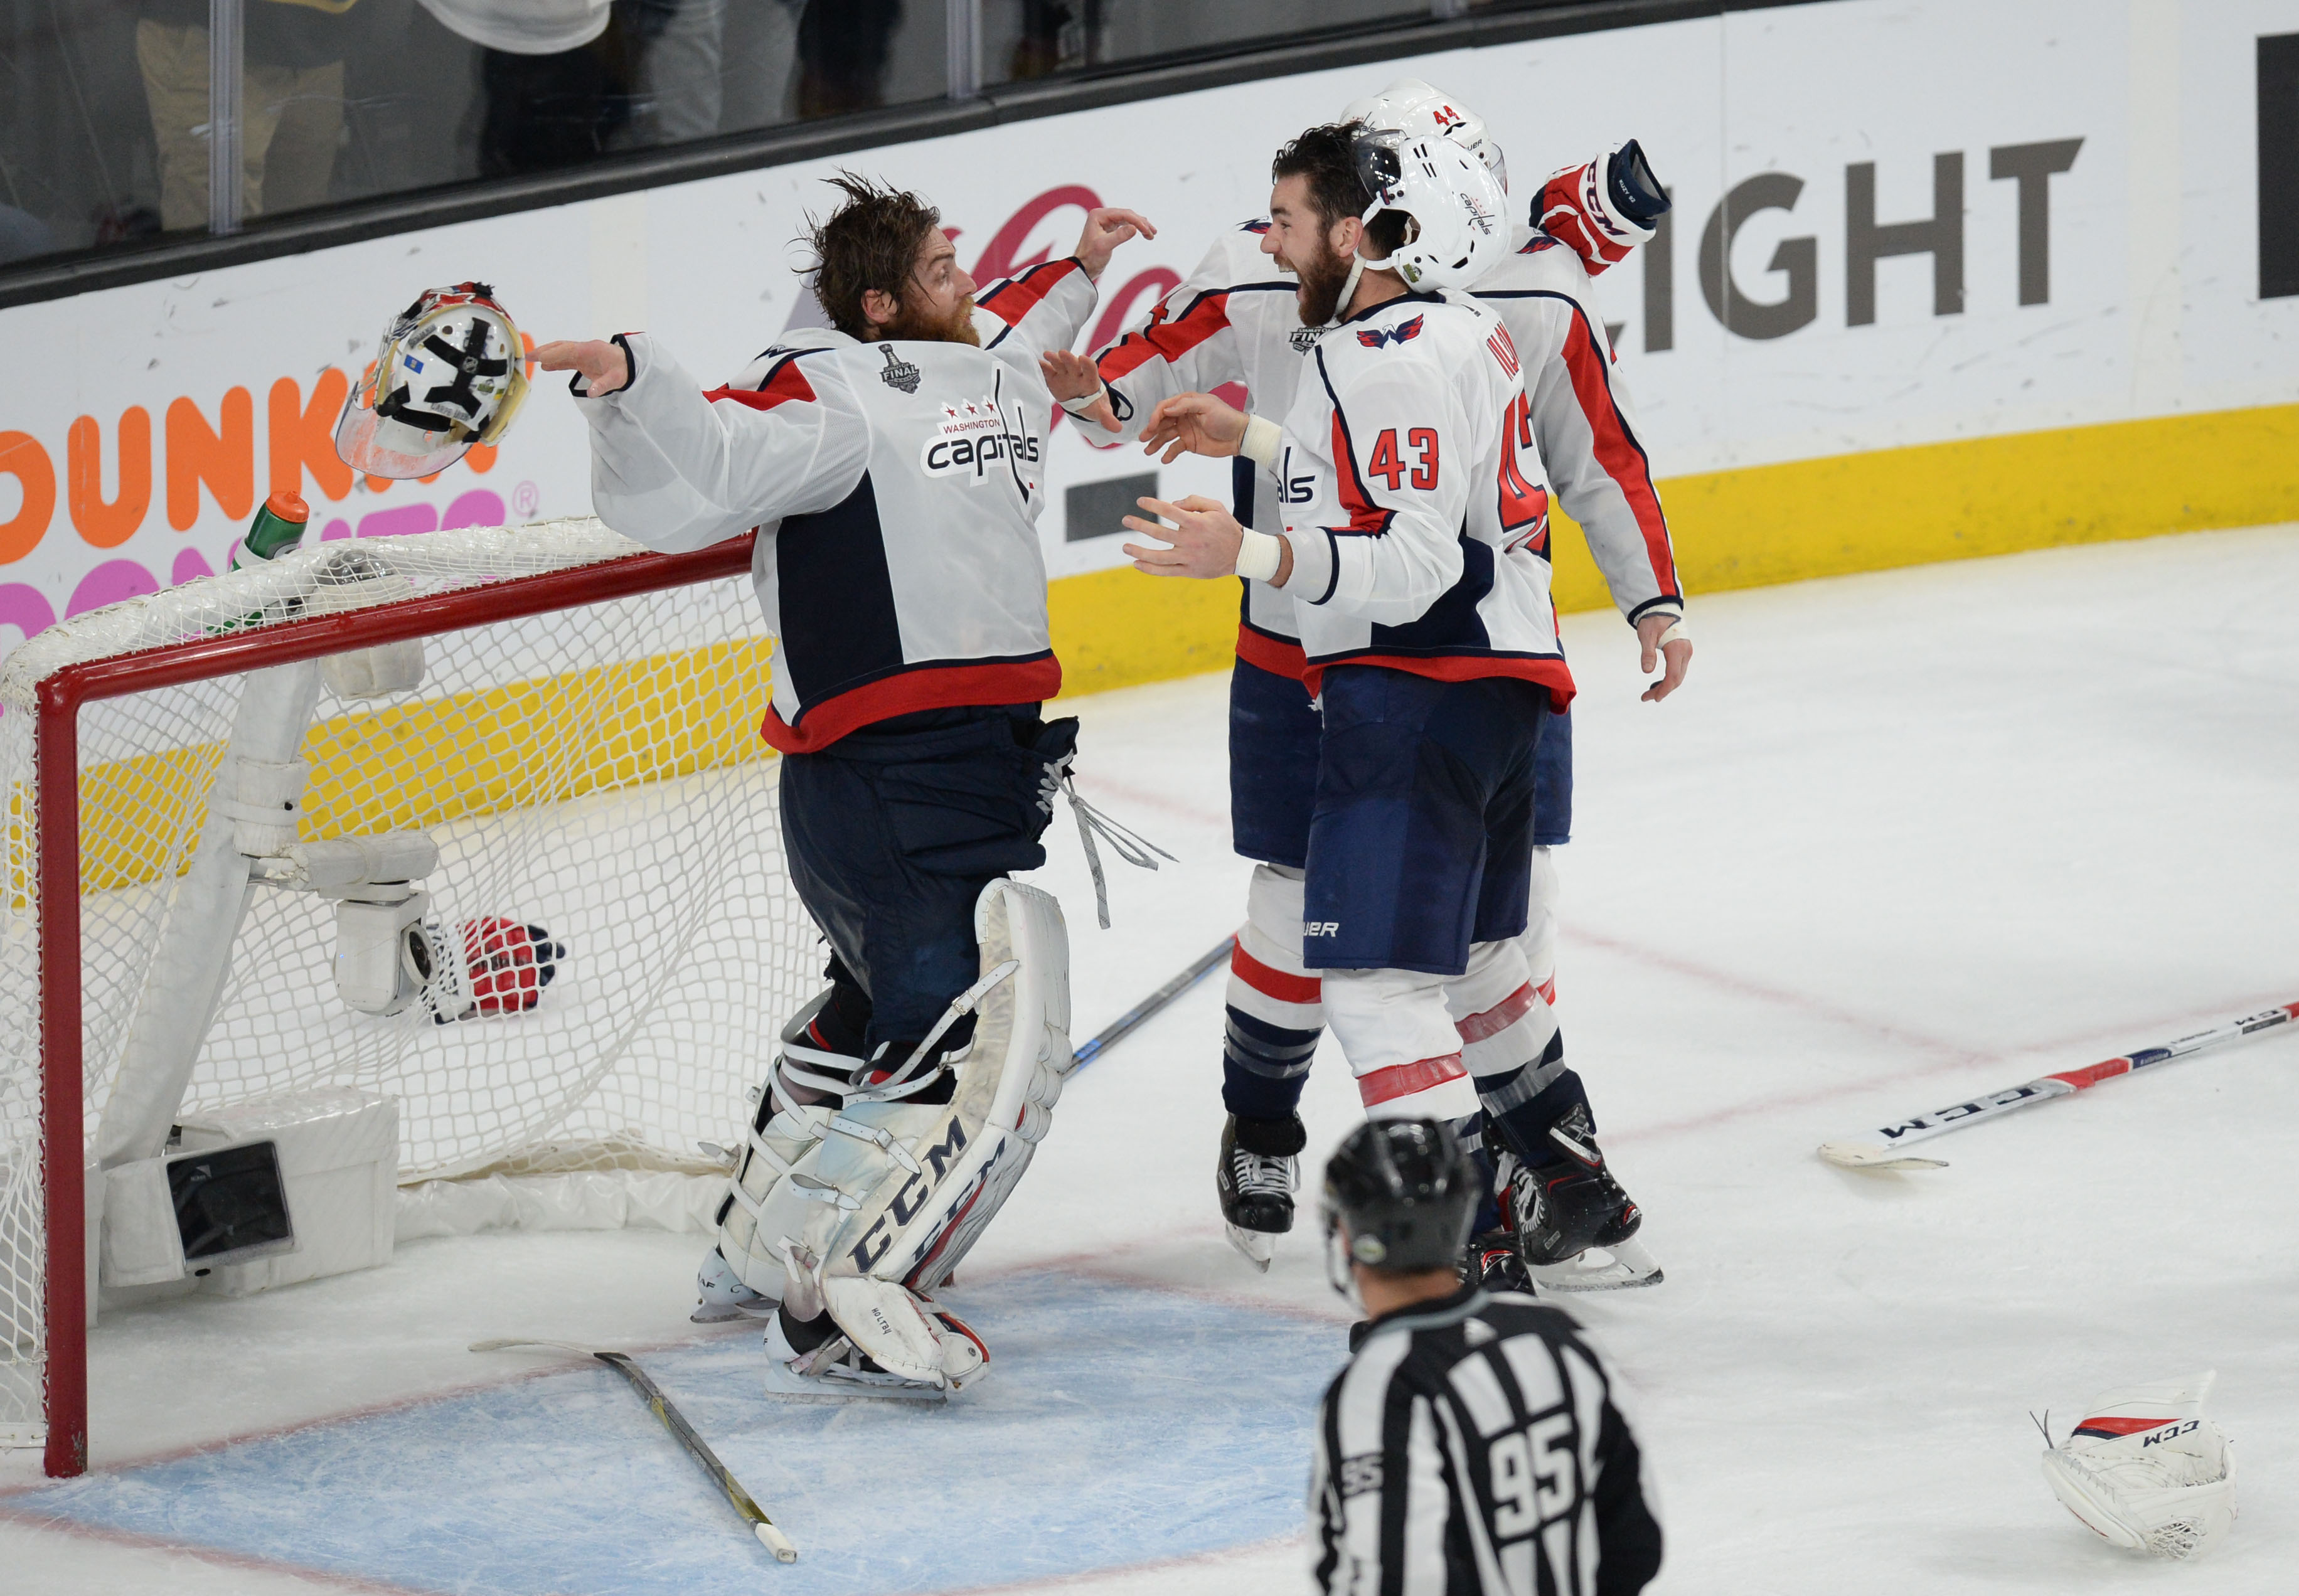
(1405, 1191)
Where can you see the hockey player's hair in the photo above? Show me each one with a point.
(869, 242)
(1325, 155)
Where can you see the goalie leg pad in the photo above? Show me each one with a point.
(924, 1180)
(764, 1208)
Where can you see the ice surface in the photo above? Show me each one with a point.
(1902, 838)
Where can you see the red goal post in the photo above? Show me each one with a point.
(59, 873)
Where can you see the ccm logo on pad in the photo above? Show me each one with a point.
(1321, 928)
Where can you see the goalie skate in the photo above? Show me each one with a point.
(837, 1370)
(1576, 1229)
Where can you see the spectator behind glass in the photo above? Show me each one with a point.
(841, 50)
(291, 103)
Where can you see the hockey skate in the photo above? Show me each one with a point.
(721, 1296)
(1495, 1263)
(1256, 1179)
(1576, 1227)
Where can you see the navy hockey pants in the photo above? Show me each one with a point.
(1273, 770)
(1421, 843)
(893, 831)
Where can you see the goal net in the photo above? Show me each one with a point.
(582, 750)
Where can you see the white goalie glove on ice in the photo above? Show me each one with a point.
(2146, 1470)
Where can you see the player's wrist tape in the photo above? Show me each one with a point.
(1257, 555)
(1260, 444)
(1675, 633)
(1083, 406)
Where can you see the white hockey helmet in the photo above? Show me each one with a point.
(1457, 229)
(1410, 106)
(451, 372)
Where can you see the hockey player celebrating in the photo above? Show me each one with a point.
(1421, 589)
(1475, 1445)
(1238, 318)
(892, 466)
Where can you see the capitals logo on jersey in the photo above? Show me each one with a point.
(1404, 332)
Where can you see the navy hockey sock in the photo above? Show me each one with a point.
(1263, 1067)
(1524, 1129)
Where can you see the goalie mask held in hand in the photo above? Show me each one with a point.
(452, 372)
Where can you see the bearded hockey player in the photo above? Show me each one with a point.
(1238, 318)
(892, 466)
(1413, 550)
(1475, 1444)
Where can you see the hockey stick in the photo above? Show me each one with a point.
(1885, 1154)
(1118, 1029)
(676, 1423)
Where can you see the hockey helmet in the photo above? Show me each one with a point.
(1399, 1194)
(452, 372)
(1412, 106)
(1457, 231)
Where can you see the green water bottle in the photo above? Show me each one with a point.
(277, 527)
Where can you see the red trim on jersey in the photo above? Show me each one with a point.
(1551, 673)
(1019, 295)
(1365, 517)
(787, 383)
(924, 687)
(1169, 341)
(1507, 1012)
(1616, 452)
(1401, 1080)
(1273, 983)
(1548, 990)
(1280, 657)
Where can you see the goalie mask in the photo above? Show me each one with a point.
(452, 372)
(1421, 109)
(2146, 1470)
(1456, 230)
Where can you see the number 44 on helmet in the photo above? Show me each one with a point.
(451, 372)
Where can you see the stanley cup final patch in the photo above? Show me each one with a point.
(899, 372)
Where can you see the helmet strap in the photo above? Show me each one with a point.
(1348, 289)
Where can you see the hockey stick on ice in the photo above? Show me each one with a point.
(1885, 1154)
(676, 1423)
(1118, 1029)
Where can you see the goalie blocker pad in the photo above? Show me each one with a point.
(902, 1191)
(2146, 1470)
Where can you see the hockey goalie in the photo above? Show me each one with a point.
(891, 465)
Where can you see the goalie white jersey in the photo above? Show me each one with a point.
(896, 488)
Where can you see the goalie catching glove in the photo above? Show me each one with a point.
(889, 1192)
(2146, 1470)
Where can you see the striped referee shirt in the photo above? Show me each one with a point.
(1472, 1448)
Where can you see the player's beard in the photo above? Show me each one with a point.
(925, 326)
(1322, 277)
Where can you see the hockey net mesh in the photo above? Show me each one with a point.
(595, 771)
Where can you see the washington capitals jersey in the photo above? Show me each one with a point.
(1235, 319)
(896, 488)
(1475, 1447)
(1420, 514)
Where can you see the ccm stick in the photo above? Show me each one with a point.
(1886, 1154)
(676, 1423)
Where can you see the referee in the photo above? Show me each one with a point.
(1471, 1447)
